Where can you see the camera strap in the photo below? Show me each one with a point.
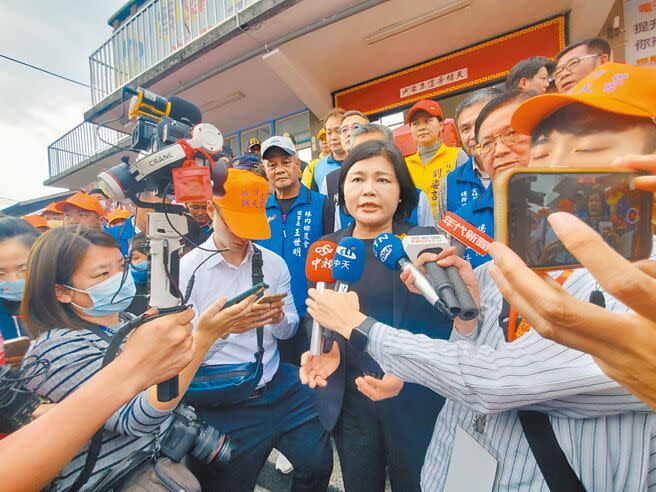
(258, 276)
(556, 470)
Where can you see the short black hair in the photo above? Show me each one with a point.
(527, 69)
(17, 229)
(580, 120)
(503, 99)
(596, 45)
(98, 191)
(373, 148)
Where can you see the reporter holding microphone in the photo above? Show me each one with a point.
(376, 189)
(76, 289)
(531, 414)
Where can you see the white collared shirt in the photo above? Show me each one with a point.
(216, 278)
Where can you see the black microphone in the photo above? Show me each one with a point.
(185, 111)
(447, 282)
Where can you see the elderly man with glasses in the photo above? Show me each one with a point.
(500, 147)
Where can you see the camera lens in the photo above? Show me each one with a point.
(211, 445)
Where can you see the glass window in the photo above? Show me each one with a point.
(231, 142)
(305, 154)
(297, 126)
(261, 133)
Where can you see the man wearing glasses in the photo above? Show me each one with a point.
(579, 59)
(352, 120)
(500, 148)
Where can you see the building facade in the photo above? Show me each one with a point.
(261, 67)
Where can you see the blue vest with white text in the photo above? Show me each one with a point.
(292, 235)
(479, 213)
(462, 186)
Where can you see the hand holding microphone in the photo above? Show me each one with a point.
(447, 281)
(318, 269)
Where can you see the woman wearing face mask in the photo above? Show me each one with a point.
(139, 266)
(16, 239)
(379, 422)
(76, 289)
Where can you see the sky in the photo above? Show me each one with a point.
(38, 108)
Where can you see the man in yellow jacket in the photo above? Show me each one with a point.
(308, 173)
(433, 159)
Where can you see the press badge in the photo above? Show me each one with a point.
(472, 467)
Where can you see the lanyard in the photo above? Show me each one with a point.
(515, 331)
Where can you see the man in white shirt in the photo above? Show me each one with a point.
(605, 435)
(280, 413)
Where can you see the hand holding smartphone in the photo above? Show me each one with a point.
(603, 198)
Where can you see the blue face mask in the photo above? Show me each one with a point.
(140, 272)
(12, 290)
(105, 292)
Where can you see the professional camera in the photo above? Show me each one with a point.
(182, 161)
(190, 433)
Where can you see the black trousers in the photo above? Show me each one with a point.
(391, 434)
(284, 417)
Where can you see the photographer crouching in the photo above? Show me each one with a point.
(76, 291)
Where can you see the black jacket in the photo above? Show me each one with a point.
(410, 312)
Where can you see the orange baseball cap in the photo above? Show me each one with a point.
(83, 201)
(614, 87)
(36, 221)
(52, 207)
(431, 107)
(243, 206)
(118, 213)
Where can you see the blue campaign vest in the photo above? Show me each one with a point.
(346, 220)
(123, 234)
(462, 186)
(292, 237)
(479, 213)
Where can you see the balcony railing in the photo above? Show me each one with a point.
(81, 143)
(158, 30)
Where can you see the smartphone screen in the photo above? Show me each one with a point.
(603, 200)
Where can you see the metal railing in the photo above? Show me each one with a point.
(158, 30)
(81, 143)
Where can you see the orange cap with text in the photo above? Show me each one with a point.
(243, 206)
(614, 87)
(36, 221)
(83, 201)
(118, 213)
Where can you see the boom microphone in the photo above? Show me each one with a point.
(318, 269)
(185, 111)
(447, 281)
(388, 249)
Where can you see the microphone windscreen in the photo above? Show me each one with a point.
(318, 266)
(388, 249)
(349, 260)
(185, 111)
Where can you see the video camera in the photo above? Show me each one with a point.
(181, 157)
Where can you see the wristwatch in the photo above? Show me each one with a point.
(360, 334)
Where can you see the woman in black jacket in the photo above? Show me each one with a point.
(376, 189)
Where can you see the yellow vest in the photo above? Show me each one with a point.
(428, 177)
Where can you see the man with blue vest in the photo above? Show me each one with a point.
(500, 148)
(296, 217)
(467, 182)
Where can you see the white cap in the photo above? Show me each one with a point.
(283, 143)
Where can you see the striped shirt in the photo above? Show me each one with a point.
(608, 436)
(75, 356)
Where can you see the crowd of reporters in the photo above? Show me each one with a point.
(403, 401)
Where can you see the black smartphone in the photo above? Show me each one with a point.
(256, 289)
(601, 198)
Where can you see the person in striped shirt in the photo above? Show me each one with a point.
(607, 436)
(76, 290)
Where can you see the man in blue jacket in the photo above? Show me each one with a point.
(466, 183)
(296, 217)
